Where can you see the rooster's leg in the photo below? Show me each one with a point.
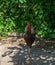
(29, 60)
(29, 54)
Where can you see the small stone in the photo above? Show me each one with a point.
(51, 58)
(22, 51)
(42, 57)
(45, 62)
(28, 60)
(37, 58)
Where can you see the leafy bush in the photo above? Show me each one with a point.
(14, 15)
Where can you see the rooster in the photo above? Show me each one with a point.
(29, 36)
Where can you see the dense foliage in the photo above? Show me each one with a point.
(15, 13)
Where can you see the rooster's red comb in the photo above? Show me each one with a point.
(28, 26)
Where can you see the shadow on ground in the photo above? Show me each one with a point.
(39, 55)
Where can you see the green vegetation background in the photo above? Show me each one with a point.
(14, 14)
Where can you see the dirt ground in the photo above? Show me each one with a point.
(17, 54)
